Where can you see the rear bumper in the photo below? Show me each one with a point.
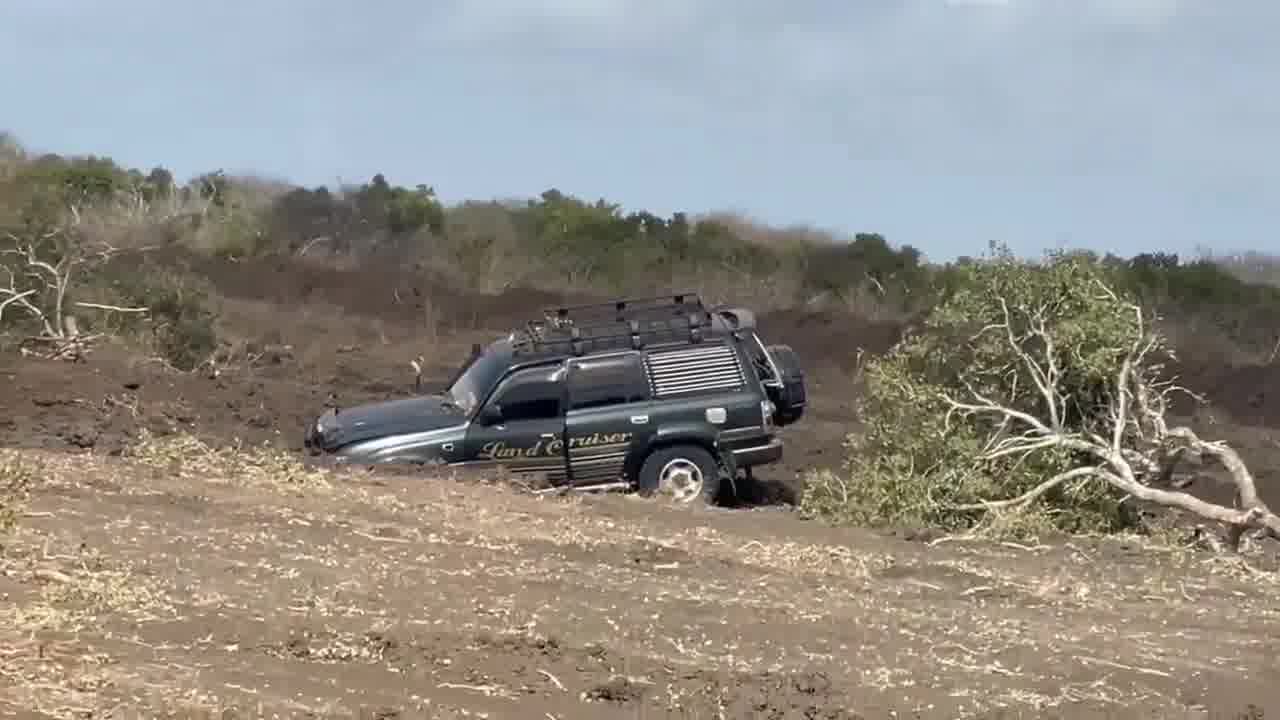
(758, 453)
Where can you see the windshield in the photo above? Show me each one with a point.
(475, 382)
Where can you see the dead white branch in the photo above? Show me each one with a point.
(41, 270)
(113, 308)
(1138, 452)
(14, 297)
(1034, 493)
(418, 364)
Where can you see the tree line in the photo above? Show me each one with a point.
(557, 239)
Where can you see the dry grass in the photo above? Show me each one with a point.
(188, 578)
(17, 475)
(188, 457)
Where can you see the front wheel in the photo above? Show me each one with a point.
(683, 475)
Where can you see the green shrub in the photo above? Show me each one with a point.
(917, 461)
(181, 324)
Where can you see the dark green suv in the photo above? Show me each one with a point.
(657, 394)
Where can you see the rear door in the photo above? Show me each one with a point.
(607, 415)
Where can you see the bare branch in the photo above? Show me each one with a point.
(113, 308)
(14, 297)
(1256, 517)
(988, 406)
(1034, 493)
(1136, 452)
(40, 285)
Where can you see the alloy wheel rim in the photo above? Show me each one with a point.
(681, 479)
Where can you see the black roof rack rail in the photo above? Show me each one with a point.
(623, 309)
(629, 323)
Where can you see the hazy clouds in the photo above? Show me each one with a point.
(1114, 123)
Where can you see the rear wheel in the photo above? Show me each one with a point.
(681, 475)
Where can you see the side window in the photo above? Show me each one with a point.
(615, 380)
(690, 371)
(532, 394)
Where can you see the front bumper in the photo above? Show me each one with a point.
(758, 454)
(313, 440)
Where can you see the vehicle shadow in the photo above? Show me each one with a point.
(758, 491)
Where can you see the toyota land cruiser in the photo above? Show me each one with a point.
(660, 395)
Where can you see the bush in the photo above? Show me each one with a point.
(917, 461)
(482, 246)
(181, 326)
(1205, 291)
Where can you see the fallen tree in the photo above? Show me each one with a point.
(1134, 450)
(1032, 388)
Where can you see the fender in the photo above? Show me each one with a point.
(702, 434)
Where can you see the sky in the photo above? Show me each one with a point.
(1116, 125)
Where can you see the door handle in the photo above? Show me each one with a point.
(447, 447)
(548, 436)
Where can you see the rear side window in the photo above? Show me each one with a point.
(710, 367)
(604, 381)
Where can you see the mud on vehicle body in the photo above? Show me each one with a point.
(661, 395)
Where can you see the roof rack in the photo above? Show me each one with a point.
(622, 323)
(624, 309)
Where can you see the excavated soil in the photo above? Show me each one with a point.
(189, 591)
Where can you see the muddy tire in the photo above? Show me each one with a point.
(685, 475)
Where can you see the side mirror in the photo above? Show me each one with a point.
(491, 414)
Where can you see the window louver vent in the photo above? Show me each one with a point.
(709, 367)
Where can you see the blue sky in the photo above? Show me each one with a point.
(1123, 125)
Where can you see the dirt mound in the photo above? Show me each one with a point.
(1249, 394)
(400, 294)
(825, 338)
(103, 404)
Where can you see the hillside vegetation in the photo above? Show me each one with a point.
(559, 239)
(77, 232)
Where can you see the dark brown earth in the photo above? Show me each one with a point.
(171, 582)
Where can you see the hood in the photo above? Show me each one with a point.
(391, 417)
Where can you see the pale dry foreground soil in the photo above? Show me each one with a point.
(179, 583)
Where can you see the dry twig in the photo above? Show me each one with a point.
(555, 680)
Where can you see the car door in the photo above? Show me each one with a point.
(607, 416)
(521, 425)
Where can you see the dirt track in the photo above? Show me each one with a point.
(370, 596)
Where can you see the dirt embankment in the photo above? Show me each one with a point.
(341, 336)
(346, 336)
